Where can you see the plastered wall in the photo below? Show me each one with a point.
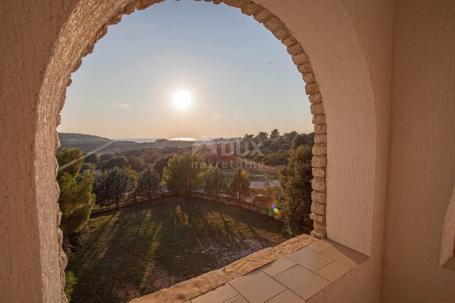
(422, 154)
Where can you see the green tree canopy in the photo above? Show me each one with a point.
(296, 185)
(76, 199)
(70, 161)
(117, 161)
(214, 181)
(148, 182)
(183, 173)
(112, 186)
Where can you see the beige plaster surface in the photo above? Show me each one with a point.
(422, 153)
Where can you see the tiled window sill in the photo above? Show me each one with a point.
(207, 282)
(292, 277)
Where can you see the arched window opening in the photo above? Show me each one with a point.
(312, 158)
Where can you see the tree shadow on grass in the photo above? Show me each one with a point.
(147, 247)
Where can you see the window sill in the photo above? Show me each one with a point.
(295, 270)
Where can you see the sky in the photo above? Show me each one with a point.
(186, 69)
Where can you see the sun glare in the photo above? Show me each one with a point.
(182, 99)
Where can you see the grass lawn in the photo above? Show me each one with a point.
(147, 247)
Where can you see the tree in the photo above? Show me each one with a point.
(303, 139)
(240, 184)
(214, 181)
(261, 137)
(113, 185)
(92, 158)
(289, 137)
(76, 199)
(100, 188)
(136, 163)
(150, 156)
(118, 161)
(274, 134)
(70, 161)
(106, 157)
(148, 182)
(160, 164)
(183, 173)
(296, 185)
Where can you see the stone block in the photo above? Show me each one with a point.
(317, 109)
(235, 3)
(317, 98)
(309, 78)
(319, 149)
(289, 41)
(300, 59)
(295, 49)
(318, 197)
(281, 33)
(318, 209)
(319, 161)
(312, 89)
(129, 8)
(318, 184)
(262, 15)
(305, 67)
(319, 119)
(320, 139)
(320, 128)
(250, 8)
(273, 24)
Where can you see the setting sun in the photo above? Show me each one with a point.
(182, 99)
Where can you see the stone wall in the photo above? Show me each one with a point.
(233, 202)
(110, 208)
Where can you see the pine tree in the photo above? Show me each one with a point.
(76, 199)
(296, 184)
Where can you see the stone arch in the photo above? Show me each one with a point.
(348, 105)
(448, 234)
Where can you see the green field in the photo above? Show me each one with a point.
(150, 246)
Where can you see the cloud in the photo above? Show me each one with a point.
(122, 105)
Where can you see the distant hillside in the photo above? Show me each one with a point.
(89, 143)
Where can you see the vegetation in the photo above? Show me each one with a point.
(240, 185)
(214, 183)
(112, 185)
(149, 182)
(296, 185)
(274, 148)
(143, 248)
(183, 174)
(76, 199)
(147, 247)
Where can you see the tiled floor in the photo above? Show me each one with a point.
(294, 278)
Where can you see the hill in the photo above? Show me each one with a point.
(88, 143)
